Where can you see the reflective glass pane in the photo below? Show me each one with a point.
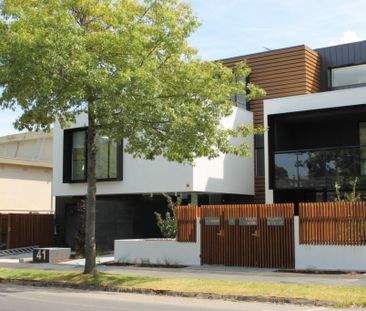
(112, 160)
(102, 157)
(240, 100)
(78, 156)
(311, 167)
(286, 171)
(348, 75)
(341, 166)
(363, 148)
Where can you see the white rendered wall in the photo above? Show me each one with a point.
(226, 174)
(328, 257)
(159, 251)
(323, 100)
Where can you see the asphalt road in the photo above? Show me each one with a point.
(14, 297)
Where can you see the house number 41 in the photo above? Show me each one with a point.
(41, 255)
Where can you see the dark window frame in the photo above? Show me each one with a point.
(67, 158)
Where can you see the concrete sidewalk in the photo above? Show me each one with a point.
(213, 272)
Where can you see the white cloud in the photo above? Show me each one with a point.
(347, 37)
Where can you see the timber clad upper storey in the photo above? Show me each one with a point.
(284, 72)
(298, 71)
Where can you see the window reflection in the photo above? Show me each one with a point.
(318, 169)
(78, 156)
(350, 75)
(106, 157)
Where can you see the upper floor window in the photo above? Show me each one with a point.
(348, 76)
(108, 157)
(239, 99)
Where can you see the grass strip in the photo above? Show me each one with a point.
(339, 296)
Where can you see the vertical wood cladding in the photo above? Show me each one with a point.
(285, 72)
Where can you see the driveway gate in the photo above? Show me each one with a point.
(249, 235)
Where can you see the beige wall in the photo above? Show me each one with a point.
(25, 189)
(27, 146)
(26, 173)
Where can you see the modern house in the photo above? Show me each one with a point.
(26, 173)
(314, 108)
(319, 139)
(129, 190)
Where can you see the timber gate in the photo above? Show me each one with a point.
(249, 235)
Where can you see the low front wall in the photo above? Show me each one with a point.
(328, 257)
(159, 251)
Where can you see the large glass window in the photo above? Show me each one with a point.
(78, 169)
(350, 75)
(106, 157)
(317, 169)
(363, 147)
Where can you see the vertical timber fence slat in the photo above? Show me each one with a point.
(251, 235)
(333, 223)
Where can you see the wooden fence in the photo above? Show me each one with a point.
(186, 223)
(250, 235)
(21, 230)
(333, 223)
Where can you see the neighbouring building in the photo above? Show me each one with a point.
(26, 173)
(315, 110)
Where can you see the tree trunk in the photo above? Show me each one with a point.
(90, 247)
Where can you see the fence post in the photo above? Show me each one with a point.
(8, 236)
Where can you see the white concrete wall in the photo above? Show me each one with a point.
(328, 257)
(226, 174)
(323, 100)
(159, 251)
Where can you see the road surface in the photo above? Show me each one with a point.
(25, 298)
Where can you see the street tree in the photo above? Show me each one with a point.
(128, 66)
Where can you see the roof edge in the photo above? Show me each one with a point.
(235, 58)
(10, 161)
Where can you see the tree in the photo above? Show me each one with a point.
(127, 65)
(168, 225)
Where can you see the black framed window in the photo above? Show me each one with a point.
(108, 157)
(348, 76)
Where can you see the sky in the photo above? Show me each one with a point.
(239, 27)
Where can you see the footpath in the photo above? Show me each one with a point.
(211, 272)
(210, 282)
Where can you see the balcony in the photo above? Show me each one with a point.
(319, 168)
